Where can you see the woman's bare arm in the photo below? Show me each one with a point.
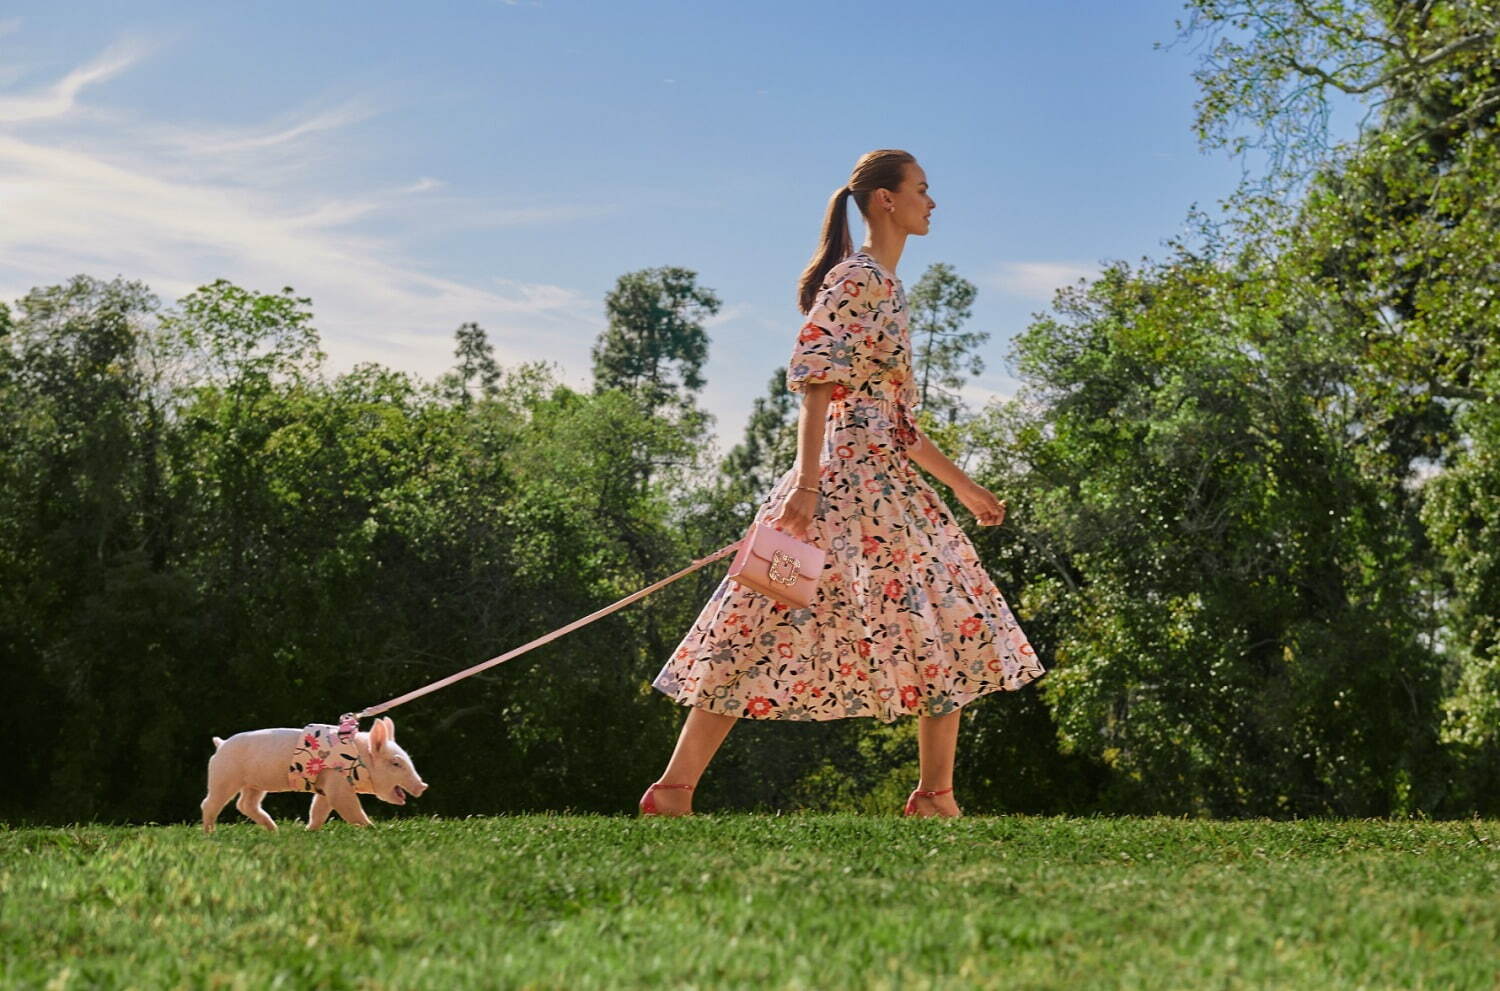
(980, 501)
(797, 509)
(809, 462)
(925, 453)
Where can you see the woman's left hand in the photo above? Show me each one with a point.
(980, 501)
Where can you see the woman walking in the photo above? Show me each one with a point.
(906, 620)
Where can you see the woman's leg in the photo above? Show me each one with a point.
(702, 732)
(937, 739)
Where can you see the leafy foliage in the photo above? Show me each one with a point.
(941, 302)
(655, 328)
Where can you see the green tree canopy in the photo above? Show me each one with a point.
(655, 344)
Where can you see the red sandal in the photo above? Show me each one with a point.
(648, 804)
(911, 801)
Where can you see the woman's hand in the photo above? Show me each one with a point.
(980, 501)
(796, 513)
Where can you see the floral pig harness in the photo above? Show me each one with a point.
(325, 747)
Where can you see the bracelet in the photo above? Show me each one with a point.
(809, 488)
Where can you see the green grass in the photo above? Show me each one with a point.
(795, 901)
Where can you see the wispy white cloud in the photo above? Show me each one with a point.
(1037, 280)
(223, 142)
(732, 313)
(977, 393)
(176, 205)
(61, 98)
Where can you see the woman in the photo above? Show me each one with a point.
(906, 620)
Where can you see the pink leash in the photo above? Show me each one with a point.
(384, 706)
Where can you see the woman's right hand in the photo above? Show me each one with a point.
(796, 513)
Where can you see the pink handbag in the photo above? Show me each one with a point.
(779, 565)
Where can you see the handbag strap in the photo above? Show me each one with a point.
(598, 614)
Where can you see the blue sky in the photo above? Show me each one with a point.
(413, 166)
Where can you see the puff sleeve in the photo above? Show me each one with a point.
(828, 345)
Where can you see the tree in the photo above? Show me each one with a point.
(1236, 630)
(86, 528)
(770, 446)
(1426, 61)
(476, 362)
(1396, 249)
(244, 346)
(940, 304)
(655, 329)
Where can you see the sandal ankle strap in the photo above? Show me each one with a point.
(660, 785)
(932, 794)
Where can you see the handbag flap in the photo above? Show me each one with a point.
(766, 540)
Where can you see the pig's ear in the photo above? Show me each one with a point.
(390, 727)
(380, 735)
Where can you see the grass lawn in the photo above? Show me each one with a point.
(726, 900)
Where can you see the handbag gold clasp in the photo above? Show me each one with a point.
(785, 568)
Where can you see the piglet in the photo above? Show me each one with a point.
(335, 762)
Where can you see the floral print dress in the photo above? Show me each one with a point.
(906, 620)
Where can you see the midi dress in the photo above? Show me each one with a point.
(905, 620)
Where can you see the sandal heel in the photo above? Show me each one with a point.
(648, 802)
(911, 801)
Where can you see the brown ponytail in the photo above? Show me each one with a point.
(884, 168)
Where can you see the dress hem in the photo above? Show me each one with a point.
(894, 714)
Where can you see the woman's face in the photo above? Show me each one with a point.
(911, 201)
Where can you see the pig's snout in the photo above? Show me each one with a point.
(399, 792)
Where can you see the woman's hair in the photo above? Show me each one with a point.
(883, 168)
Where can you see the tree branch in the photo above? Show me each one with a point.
(1492, 102)
(1316, 18)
